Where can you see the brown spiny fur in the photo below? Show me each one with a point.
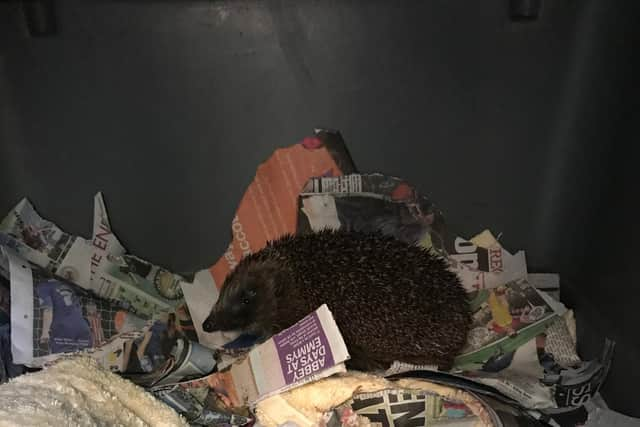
(391, 300)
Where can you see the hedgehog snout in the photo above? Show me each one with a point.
(209, 325)
(219, 321)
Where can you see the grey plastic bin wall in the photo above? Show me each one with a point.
(526, 128)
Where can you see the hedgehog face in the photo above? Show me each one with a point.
(246, 302)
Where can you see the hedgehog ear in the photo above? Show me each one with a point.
(269, 271)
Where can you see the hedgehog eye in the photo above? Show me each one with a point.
(248, 295)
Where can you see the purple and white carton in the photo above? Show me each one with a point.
(311, 349)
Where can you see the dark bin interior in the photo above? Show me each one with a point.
(523, 126)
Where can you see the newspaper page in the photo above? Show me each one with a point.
(575, 386)
(310, 350)
(530, 376)
(482, 263)
(135, 284)
(267, 211)
(533, 361)
(504, 318)
(217, 390)
(380, 203)
(371, 203)
(100, 265)
(474, 280)
(404, 408)
(134, 309)
(44, 244)
(518, 376)
(560, 344)
(553, 387)
(51, 317)
(186, 360)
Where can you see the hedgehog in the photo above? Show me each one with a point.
(392, 301)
